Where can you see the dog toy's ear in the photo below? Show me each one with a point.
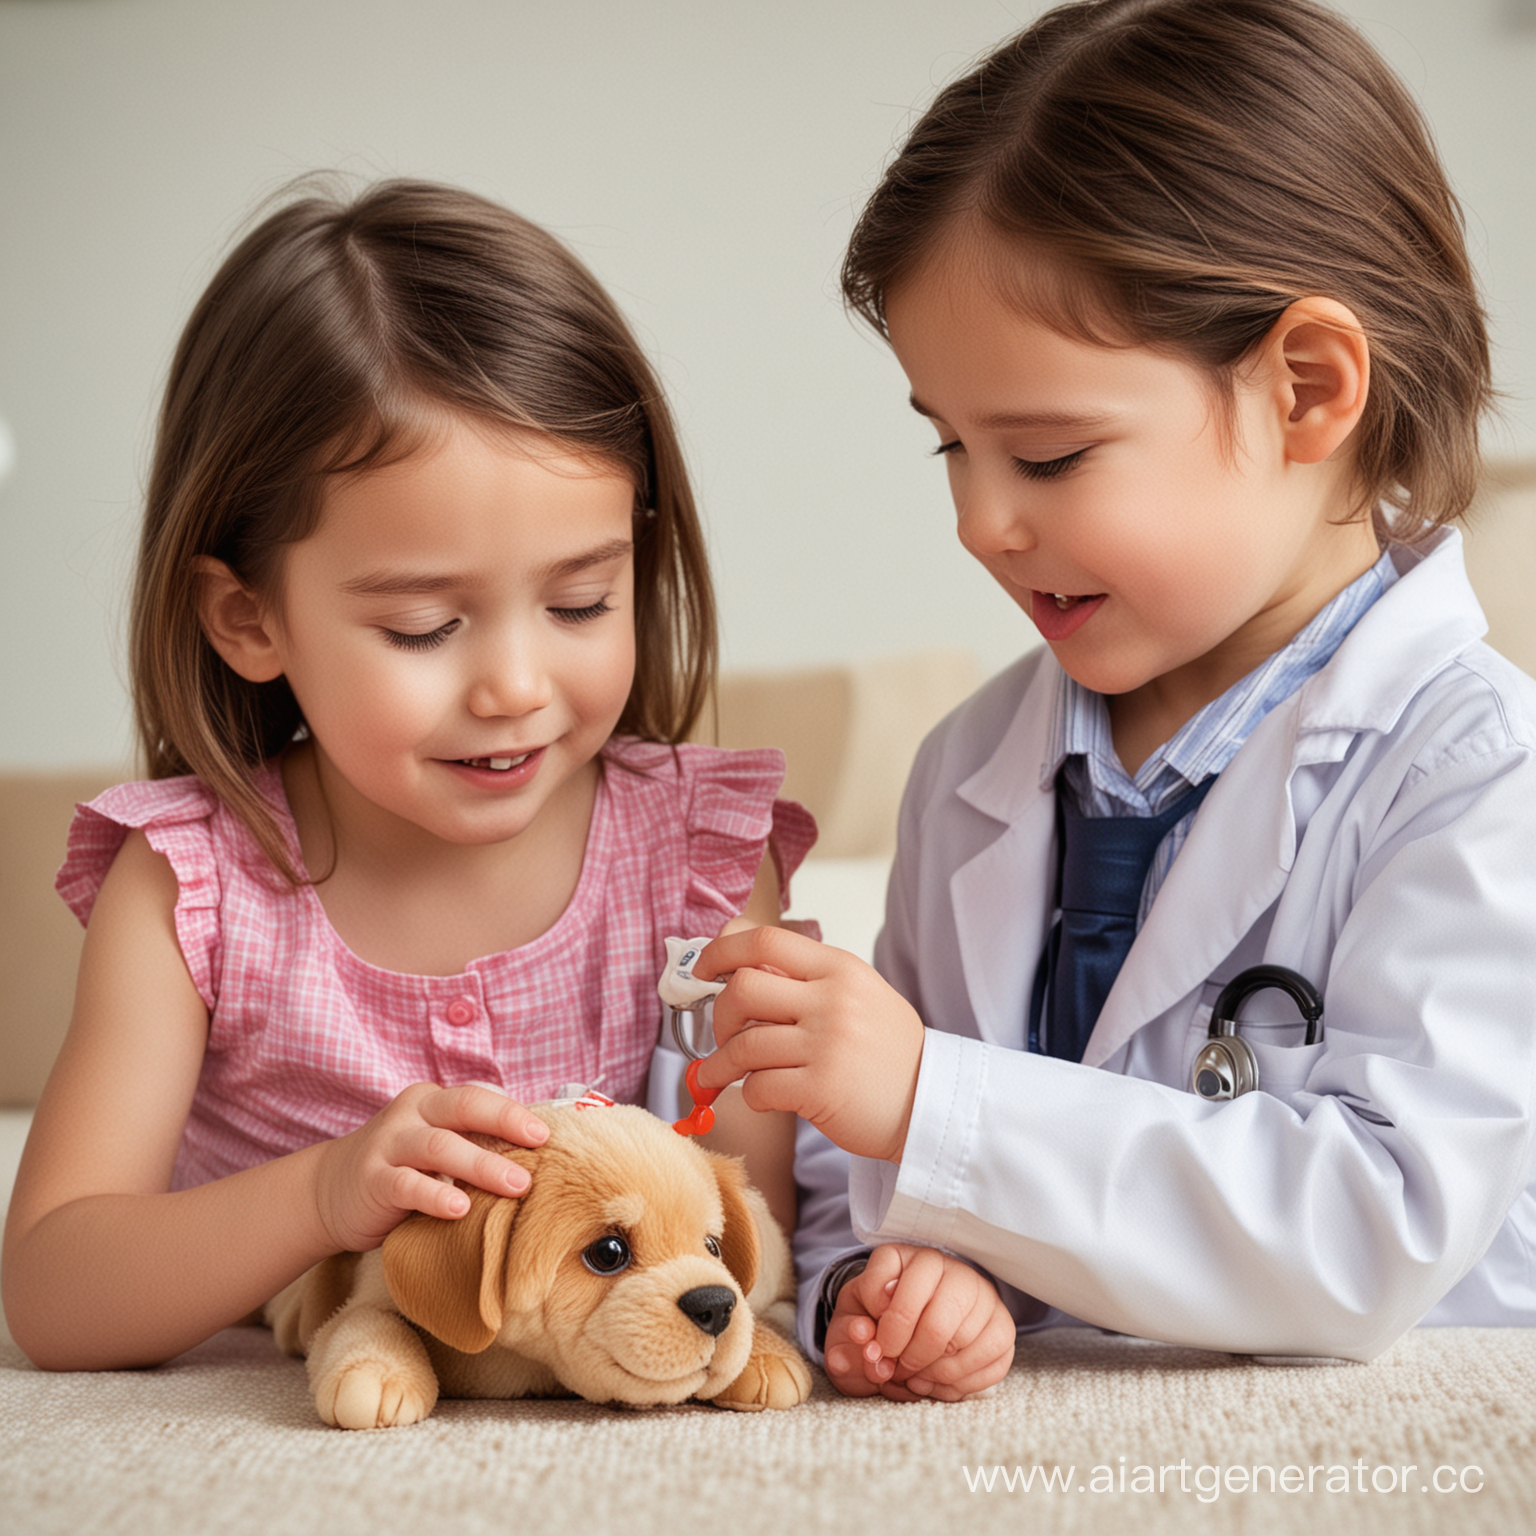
(740, 1246)
(449, 1276)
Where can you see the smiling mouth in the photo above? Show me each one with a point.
(496, 764)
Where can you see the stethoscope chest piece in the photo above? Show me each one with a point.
(1226, 1067)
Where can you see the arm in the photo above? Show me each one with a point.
(1322, 1225)
(105, 1269)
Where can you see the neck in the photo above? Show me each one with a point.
(405, 900)
(1146, 718)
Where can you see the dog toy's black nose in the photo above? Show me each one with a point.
(709, 1307)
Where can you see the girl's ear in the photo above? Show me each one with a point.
(235, 622)
(1323, 372)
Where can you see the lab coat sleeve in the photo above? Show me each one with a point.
(1325, 1224)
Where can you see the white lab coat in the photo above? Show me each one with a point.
(1377, 833)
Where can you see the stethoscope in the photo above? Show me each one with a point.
(686, 997)
(1226, 1067)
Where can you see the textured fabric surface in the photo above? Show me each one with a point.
(224, 1440)
(307, 1040)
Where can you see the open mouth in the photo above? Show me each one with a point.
(1060, 614)
(496, 764)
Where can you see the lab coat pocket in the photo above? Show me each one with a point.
(1283, 1069)
(1284, 1062)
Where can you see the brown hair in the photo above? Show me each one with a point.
(1194, 167)
(324, 345)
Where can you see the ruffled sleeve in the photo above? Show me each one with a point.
(734, 813)
(175, 815)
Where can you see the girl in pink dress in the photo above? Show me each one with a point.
(422, 617)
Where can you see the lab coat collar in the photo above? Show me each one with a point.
(1002, 907)
(1219, 886)
(1426, 617)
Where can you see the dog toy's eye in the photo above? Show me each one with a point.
(713, 1245)
(607, 1256)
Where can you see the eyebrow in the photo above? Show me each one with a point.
(386, 583)
(1006, 420)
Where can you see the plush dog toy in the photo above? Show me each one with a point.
(638, 1269)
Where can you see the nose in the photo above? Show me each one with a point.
(993, 518)
(510, 679)
(709, 1307)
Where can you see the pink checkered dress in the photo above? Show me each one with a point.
(306, 1041)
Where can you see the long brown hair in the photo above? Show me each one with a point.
(324, 344)
(1189, 168)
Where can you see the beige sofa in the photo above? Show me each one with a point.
(1135, 1435)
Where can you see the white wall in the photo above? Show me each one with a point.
(706, 157)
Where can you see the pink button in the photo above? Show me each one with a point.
(461, 1010)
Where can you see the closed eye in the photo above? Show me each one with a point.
(406, 640)
(583, 615)
(1048, 469)
(1030, 469)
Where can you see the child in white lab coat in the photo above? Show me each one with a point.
(1183, 290)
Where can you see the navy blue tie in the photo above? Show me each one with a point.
(1104, 864)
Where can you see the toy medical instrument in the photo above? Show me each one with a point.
(1227, 1067)
(700, 1121)
(686, 995)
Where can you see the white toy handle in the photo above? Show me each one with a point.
(683, 992)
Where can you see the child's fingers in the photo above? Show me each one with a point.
(979, 1357)
(412, 1190)
(960, 1315)
(905, 1328)
(432, 1149)
(758, 997)
(793, 954)
(763, 1048)
(843, 1360)
(474, 1107)
(983, 1369)
(861, 1330)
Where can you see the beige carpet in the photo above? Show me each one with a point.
(224, 1440)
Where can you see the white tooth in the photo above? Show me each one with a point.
(498, 762)
(1062, 600)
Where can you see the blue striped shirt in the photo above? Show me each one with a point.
(1083, 751)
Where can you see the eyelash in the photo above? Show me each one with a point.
(583, 615)
(1030, 469)
(427, 641)
(430, 639)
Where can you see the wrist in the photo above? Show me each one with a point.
(317, 1164)
(836, 1276)
(899, 1144)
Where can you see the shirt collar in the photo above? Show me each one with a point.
(1207, 742)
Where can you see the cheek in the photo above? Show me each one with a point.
(606, 684)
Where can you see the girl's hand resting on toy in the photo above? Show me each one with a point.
(830, 1038)
(372, 1178)
(918, 1324)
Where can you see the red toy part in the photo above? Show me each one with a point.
(702, 1121)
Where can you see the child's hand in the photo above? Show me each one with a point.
(371, 1179)
(918, 1324)
(831, 1039)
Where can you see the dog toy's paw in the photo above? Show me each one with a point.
(776, 1377)
(373, 1394)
